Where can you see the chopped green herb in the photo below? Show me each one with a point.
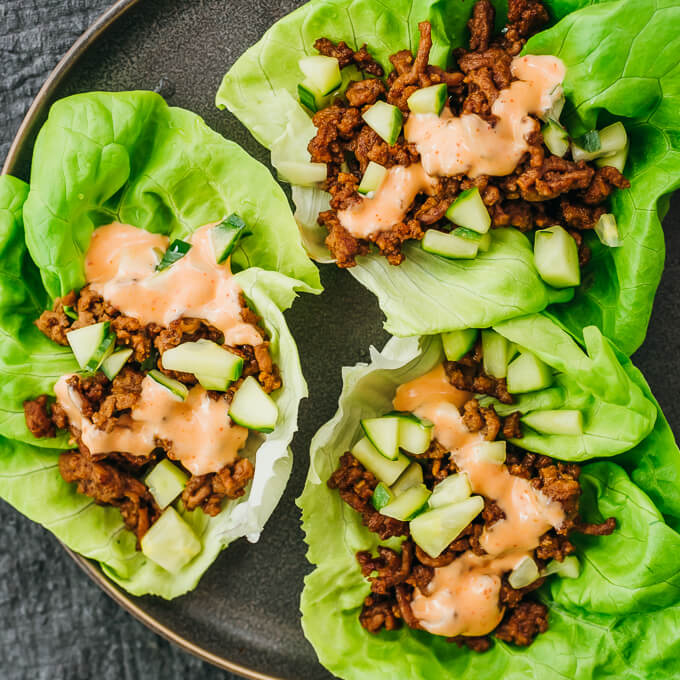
(590, 141)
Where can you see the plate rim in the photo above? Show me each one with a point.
(26, 128)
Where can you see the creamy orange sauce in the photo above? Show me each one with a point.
(390, 203)
(204, 438)
(463, 598)
(120, 265)
(467, 144)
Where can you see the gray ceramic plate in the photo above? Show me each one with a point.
(244, 614)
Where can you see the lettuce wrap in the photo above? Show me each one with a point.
(611, 621)
(614, 71)
(129, 157)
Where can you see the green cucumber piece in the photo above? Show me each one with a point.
(113, 364)
(383, 434)
(562, 421)
(226, 235)
(382, 496)
(310, 97)
(322, 72)
(469, 234)
(412, 476)
(428, 99)
(436, 529)
(555, 138)
(176, 251)
(175, 386)
(495, 353)
(407, 504)
(302, 174)
(524, 573)
(484, 243)
(468, 210)
(607, 142)
(458, 343)
(166, 481)
(617, 160)
(608, 232)
(448, 245)
(384, 469)
(211, 382)
(385, 119)
(527, 373)
(171, 543)
(91, 344)
(570, 567)
(556, 257)
(372, 179)
(454, 489)
(253, 408)
(490, 452)
(205, 358)
(415, 436)
(70, 312)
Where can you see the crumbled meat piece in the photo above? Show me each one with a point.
(362, 92)
(412, 73)
(552, 546)
(479, 643)
(603, 529)
(481, 25)
(512, 427)
(579, 216)
(604, 181)
(480, 418)
(523, 623)
(392, 567)
(341, 244)
(333, 124)
(346, 56)
(38, 419)
(511, 597)
(268, 376)
(492, 512)
(379, 612)
(468, 375)
(56, 323)
(91, 389)
(404, 595)
(92, 308)
(125, 391)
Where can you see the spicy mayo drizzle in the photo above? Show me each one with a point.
(463, 597)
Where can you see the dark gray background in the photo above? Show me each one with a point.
(55, 623)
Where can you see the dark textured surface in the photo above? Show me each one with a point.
(56, 623)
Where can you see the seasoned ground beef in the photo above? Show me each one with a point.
(208, 491)
(542, 190)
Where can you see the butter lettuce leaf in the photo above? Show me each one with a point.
(612, 73)
(30, 364)
(610, 622)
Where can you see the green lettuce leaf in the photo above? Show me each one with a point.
(30, 364)
(614, 71)
(614, 621)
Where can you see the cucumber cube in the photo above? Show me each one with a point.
(495, 353)
(458, 343)
(468, 210)
(226, 235)
(253, 408)
(436, 529)
(180, 390)
(384, 469)
(428, 99)
(527, 373)
(618, 160)
(176, 251)
(309, 96)
(322, 72)
(166, 481)
(613, 139)
(372, 179)
(454, 489)
(607, 231)
(406, 505)
(302, 174)
(556, 257)
(415, 435)
(383, 434)
(382, 495)
(113, 364)
(570, 567)
(412, 476)
(484, 243)
(203, 357)
(490, 452)
(524, 573)
(469, 234)
(90, 344)
(449, 245)
(170, 542)
(555, 138)
(563, 421)
(211, 382)
(385, 119)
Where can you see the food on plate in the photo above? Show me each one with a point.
(151, 386)
(458, 478)
(472, 148)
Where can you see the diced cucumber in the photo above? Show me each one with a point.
(407, 504)
(586, 147)
(211, 382)
(607, 231)
(253, 408)
(570, 567)
(563, 421)
(384, 469)
(527, 373)
(171, 543)
(617, 160)
(205, 358)
(383, 434)
(176, 251)
(311, 97)
(91, 344)
(435, 529)
(607, 142)
(556, 138)
(448, 245)
(468, 210)
(179, 389)
(428, 99)
(302, 174)
(490, 452)
(70, 312)
(469, 234)
(112, 365)
(166, 481)
(524, 573)
(556, 257)
(415, 435)
(372, 179)
(484, 243)
(322, 72)
(458, 343)
(412, 476)
(454, 489)
(495, 353)
(385, 119)
(382, 496)
(226, 235)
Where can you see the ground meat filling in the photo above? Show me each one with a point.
(543, 189)
(114, 478)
